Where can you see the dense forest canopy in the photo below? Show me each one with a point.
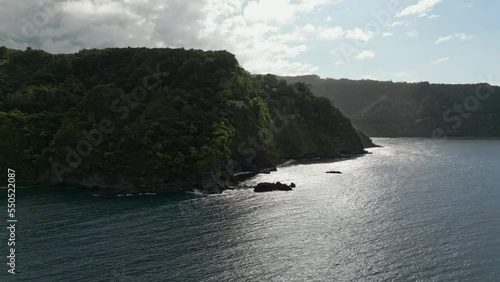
(138, 116)
(384, 108)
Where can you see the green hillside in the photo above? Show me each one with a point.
(156, 119)
(387, 109)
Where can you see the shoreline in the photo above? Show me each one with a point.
(104, 189)
(231, 185)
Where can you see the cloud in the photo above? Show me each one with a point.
(440, 60)
(332, 33)
(412, 33)
(369, 77)
(277, 12)
(401, 74)
(298, 34)
(387, 34)
(400, 23)
(421, 8)
(336, 33)
(263, 40)
(339, 63)
(358, 34)
(366, 54)
(458, 36)
(264, 12)
(433, 16)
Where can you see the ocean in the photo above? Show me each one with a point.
(413, 210)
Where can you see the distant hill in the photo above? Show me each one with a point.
(138, 119)
(387, 109)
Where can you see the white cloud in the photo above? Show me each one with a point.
(366, 54)
(421, 8)
(412, 33)
(401, 74)
(358, 34)
(278, 12)
(440, 60)
(387, 34)
(369, 77)
(336, 33)
(400, 23)
(339, 63)
(331, 33)
(433, 16)
(265, 11)
(263, 40)
(458, 36)
(298, 34)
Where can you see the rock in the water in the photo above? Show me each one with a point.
(334, 172)
(268, 187)
(292, 185)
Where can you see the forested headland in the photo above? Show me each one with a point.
(166, 119)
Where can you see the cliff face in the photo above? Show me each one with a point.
(155, 119)
(388, 109)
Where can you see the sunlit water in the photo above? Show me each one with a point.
(411, 211)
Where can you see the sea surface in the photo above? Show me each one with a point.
(414, 210)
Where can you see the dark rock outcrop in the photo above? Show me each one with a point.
(269, 187)
(334, 172)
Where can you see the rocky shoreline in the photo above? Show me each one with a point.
(104, 186)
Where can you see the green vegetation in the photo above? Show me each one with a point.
(382, 108)
(138, 116)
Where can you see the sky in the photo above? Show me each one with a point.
(439, 41)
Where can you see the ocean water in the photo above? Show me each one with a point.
(411, 211)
